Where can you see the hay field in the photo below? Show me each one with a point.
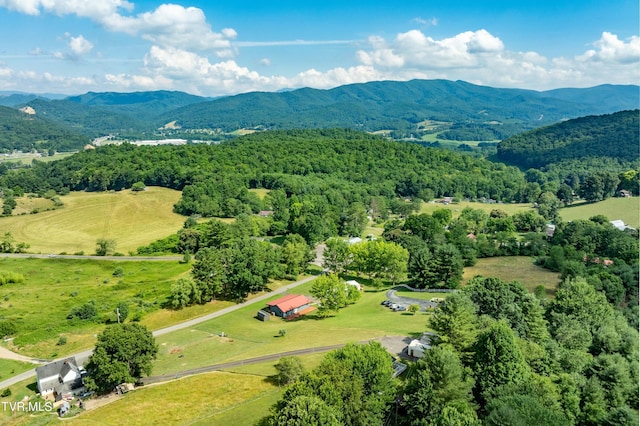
(456, 208)
(132, 219)
(626, 209)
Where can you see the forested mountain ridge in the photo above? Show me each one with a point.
(460, 110)
(143, 105)
(26, 132)
(91, 121)
(403, 105)
(613, 136)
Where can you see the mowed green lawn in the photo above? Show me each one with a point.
(52, 287)
(132, 219)
(247, 337)
(626, 209)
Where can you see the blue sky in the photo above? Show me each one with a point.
(217, 48)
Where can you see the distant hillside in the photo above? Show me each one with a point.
(26, 132)
(16, 99)
(429, 109)
(402, 106)
(611, 136)
(91, 121)
(141, 105)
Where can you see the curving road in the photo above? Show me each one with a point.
(407, 301)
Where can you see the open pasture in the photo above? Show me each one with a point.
(514, 268)
(626, 209)
(52, 287)
(456, 208)
(132, 219)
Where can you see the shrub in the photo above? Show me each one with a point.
(5, 393)
(8, 328)
(62, 341)
(11, 278)
(88, 311)
(118, 272)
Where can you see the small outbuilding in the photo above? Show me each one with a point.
(263, 315)
(416, 348)
(354, 283)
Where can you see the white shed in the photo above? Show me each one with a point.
(417, 348)
(354, 283)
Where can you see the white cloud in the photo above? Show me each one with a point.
(415, 49)
(613, 50)
(173, 25)
(80, 45)
(83, 8)
(481, 58)
(426, 22)
(168, 25)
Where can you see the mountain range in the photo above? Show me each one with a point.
(453, 109)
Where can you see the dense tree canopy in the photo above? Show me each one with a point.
(123, 354)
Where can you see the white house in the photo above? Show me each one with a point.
(60, 379)
(619, 224)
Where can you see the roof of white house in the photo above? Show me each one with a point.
(619, 224)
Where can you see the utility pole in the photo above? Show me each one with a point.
(118, 314)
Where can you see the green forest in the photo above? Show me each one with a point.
(607, 136)
(26, 133)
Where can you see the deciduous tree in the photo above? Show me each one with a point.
(123, 354)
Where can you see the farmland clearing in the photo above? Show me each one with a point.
(132, 219)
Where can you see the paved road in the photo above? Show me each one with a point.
(407, 301)
(217, 367)
(82, 357)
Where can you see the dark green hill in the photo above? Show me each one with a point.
(328, 163)
(91, 121)
(611, 136)
(142, 105)
(26, 132)
(16, 99)
(392, 105)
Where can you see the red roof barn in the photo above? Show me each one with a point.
(291, 304)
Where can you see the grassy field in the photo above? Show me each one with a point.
(456, 208)
(131, 219)
(517, 268)
(626, 209)
(9, 368)
(247, 337)
(221, 398)
(40, 305)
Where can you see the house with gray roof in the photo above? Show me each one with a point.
(62, 379)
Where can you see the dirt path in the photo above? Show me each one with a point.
(7, 354)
